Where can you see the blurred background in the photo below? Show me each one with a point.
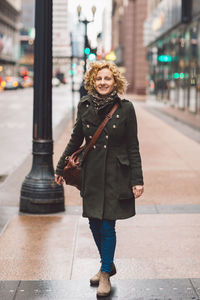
(155, 43)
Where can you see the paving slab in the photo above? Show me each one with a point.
(175, 118)
(8, 289)
(178, 209)
(168, 209)
(38, 247)
(196, 284)
(174, 289)
(55, 290)
(60, 247)
(6, 212)
(149, 209)
(148, 246)
(151, 289)
(171, 162)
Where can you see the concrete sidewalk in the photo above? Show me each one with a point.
(158, 251)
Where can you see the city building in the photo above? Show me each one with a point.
(127, 41)
(172, 35)
(77, 32)
(61, 36)
(28, 13)
(103, 38)
(106, 29)
(27, 36)
(10, 22)
(61, 48)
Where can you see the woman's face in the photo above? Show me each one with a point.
(105, 82)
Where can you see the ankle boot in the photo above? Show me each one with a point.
(104, 285)
(94, 281)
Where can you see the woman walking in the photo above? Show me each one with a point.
(111, 174)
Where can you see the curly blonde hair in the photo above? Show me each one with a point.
(95, 67)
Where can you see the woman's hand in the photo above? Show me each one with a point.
(59, 179)
(138, 190)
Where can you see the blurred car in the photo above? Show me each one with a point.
(61, 77)
(55, 81)
(1, 79)
(28, 82)
(21, 82)
(10, 83)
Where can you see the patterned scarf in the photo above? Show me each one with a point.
(100, 102)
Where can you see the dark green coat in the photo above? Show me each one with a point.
(113, 166)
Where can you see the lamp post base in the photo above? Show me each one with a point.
(40, 194)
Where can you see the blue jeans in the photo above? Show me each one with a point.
(105, 238)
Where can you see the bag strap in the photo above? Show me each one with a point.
(99, 130)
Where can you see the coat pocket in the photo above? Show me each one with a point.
(123, 177)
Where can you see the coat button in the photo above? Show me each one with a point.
(106, 136)
(117, 116)
(90, 137)
(114, 126)
(94, 146)
(105, 146)
(88, 126)
(87, 105)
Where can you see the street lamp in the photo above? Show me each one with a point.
(85, 22)
(39, 192)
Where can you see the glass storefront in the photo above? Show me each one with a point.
(174, 67)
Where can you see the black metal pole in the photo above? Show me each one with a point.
(72, 79)
(85, 22)
(39, 193)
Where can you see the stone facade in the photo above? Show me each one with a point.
(10, 14)
(127, 36)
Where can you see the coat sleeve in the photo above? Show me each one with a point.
(133, 148)
(75, 142)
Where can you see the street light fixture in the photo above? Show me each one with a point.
(85, 22)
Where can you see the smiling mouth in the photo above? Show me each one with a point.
(103, 88)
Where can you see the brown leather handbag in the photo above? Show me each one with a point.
(72, 170)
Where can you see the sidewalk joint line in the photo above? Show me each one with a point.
(193, 288)
(17, 290)
(5, 226)
(74, 247)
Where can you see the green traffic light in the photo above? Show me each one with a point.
(164, 58)
(87, 51)
(176, 75)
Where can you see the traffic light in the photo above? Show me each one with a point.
(164, 58)
(87, 51)
(176, 75)
(92, 57)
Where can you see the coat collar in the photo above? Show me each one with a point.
(88, 98)
(90, 114)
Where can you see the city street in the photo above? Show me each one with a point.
(16, 114)
(144, 51)
(47, 257)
